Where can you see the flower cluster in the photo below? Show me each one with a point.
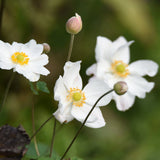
(75, 102)
(111, 67)
(113, 78)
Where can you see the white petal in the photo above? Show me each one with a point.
(124, 102)
(16, 47)
(31, 43)
(64, 117)
(80, 113)
(33, 77)
(5, 56)
(138, 86)
(39, 60)
(122, 52)
(37, 64)
(40, 70)
(5, 50)
(60, 91)
(104, 72)
(91, 70)
(95, 120)
(94, 90)
(32, 48)
(99, 122)
(103, 48)
(143, 67)
(64, 106)
(5, 65)
(103, 67)
(71, 76)
(120, 41)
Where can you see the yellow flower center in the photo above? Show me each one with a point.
(76, 96)
(20, 58)
(120, 68)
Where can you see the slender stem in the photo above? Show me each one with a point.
(41, 126)
(33, 127)
(54, 132)
(70, 47)
(84, 123)
(1, 15)
(7, 90)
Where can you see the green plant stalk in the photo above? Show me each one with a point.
(33, 127)
(41, 126)
(54, 132)
(70, 47)
(84, 123)
(7, 90)
(1, 16)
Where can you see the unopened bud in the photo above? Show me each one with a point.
(46, 47)
(120, 87)
(74, 24)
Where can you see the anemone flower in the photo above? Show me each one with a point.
(113, 66)
(26, 59)
(75, 102)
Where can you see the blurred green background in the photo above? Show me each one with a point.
(130, 135)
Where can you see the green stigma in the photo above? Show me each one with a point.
(77, 96)
(20, 58)
(120, 68)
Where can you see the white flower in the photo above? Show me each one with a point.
(75, 102)
(26, 59)
(112, 66)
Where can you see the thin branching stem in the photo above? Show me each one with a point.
(70, 47)
(84, 123)
(41, 126)
(33, 128)
(7, 90)
(54, 132)
(1, 15)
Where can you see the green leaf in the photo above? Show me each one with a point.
(35, 92)
(43, 150)
(42, 86)
(31, 153)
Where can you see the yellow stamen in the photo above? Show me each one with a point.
(120, 68)
(20, 58)
(76, 96)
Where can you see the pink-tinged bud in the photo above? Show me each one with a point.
(74, 24)
(46, 47)
(121, 87)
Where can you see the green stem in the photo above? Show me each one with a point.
(84, 123)
(70, 47)
(54, 132)
(33, 127)
(1, 15)
(7, 90)
(41, 126)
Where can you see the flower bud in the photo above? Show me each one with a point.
(74, 24)
(46, 47)
(120, 87)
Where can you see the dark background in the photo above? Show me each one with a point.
(129, 135)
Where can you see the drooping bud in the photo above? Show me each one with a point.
(74, 24)
(121, 87)
(46, 47)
